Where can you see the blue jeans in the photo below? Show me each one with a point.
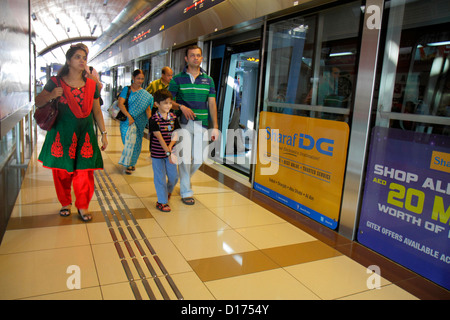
(162, 168)
(194, 160)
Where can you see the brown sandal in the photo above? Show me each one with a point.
(188, 201)
(85, 217)
(65, 211)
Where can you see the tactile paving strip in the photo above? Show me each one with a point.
(118, 213)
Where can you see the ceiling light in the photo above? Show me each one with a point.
(436, 44)
(105, 2)
(33, 16)
(57, 21)
(340, 54)
(88, 15)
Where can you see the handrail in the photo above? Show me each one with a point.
(307, 107)
(13, 119)
(414, 117)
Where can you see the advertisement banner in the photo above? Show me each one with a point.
(310, 158)
(405, 212)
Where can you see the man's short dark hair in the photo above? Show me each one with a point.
(161, 95)
(193, 47)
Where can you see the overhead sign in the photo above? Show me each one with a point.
(176, 13)
(311, 161)
(405, 213)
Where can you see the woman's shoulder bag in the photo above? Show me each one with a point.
(45, 116)
(121, 116)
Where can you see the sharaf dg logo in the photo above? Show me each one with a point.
(299, 140)
(302, 141)
(202, 147)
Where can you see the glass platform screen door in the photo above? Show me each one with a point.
(238, 111)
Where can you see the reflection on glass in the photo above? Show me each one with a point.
(421, 88)
(290, 54)
(313, 74)
(239, 110)
(238, 258)
(227, 248)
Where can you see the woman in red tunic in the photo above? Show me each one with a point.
(70, 148)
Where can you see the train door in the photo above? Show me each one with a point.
(237, 94)
(146, 66)
(309, 75)
(217, 59)
(120, 80)
(115, 89)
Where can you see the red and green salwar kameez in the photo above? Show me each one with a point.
(70, 148)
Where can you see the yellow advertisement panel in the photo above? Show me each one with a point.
(301, 163)
(440, 161)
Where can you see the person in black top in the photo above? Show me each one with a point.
(162, 126)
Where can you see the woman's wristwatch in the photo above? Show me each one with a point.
(168, 153)
(104, 132)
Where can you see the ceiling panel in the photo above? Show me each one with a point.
(56, 21)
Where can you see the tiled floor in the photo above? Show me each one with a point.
(234, 243)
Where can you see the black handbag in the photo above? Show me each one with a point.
(45, 116)
(121, 116)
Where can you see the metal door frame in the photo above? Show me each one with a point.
(360, 130)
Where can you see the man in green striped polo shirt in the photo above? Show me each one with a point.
(194, 94)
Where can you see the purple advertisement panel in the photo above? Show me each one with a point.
(405, 213)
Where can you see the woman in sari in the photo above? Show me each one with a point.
(70, 148)
(137, 113)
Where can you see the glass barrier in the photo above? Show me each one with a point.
(312, 64)
(415, 79)
(405, 210)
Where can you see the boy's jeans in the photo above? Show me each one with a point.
(162, 168)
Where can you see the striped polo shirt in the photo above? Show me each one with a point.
(166, 127)
(193, 95)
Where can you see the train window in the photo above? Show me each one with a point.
(414, 89)
(145, 65)
(178, 62)
(158, 63)
(312, 63)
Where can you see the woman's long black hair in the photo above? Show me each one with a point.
(69, 54)
(136, 73)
